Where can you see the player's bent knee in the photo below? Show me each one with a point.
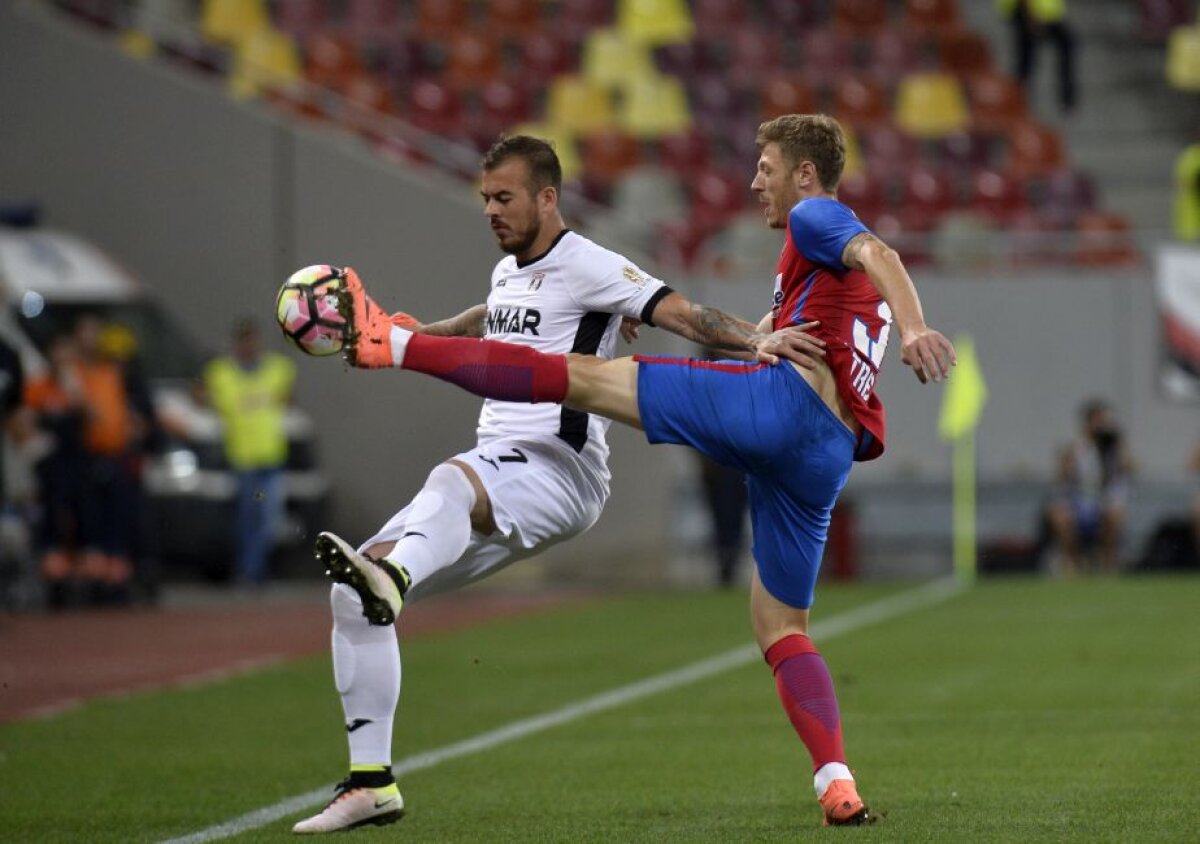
(345, 604)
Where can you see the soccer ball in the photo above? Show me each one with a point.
(307, 313)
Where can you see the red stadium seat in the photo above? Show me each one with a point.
(368, 104)
(685, 59)
(330, 61)
(371, 21)
(965, 53)
(931, 16)
(892, 54)
(929, 192)
(887, 149)
(608, 154)
(997, 101)
(576, 18)
(785, 95)
(434, 107)
(1065, 194)
(965, 151)
(1034, 149)
(864, 195)
(545, 55)
(300, 18)
(860, 17)
(440, 19)
(753, 54)
(1103, 240)
(473, 59)
(505, 105)
(687, 153)
(860, 102)
(997, 195)
(718, 17)
(791, 15)
(826, 56)
(512, 19)
(718, 195)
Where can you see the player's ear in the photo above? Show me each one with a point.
(548, 197)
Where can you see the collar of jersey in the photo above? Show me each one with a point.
(523, 264)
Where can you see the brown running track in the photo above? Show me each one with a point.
(51, 663)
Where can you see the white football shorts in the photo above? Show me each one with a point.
(542, 492)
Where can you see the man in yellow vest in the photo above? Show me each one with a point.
(250, 390)
(1031, 21)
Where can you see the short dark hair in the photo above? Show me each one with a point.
(544, 168)
(809, 137)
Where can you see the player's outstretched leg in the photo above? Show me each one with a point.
(380, 586)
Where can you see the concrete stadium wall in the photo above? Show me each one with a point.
(213, 202)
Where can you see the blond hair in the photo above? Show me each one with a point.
(808, 137)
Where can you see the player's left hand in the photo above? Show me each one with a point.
(630, 329)
(793, 343)
(929, 353)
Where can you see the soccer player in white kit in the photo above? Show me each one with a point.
(537, 476)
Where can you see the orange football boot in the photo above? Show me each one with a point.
(368, 327)
(843, 806)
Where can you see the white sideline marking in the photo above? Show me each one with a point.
(882, 610)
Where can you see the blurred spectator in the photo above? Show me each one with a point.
(12, 388)
(58, 405)
(250, 390)
(113, 429)
(1186, 219)
(1088, 508)
(13, 532)
(1031, 22)
(725, 496)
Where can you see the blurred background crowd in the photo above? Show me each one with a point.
(1038, 161)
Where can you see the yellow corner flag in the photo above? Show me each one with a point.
(966, 393)
(962, 405)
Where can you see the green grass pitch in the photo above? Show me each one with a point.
(1018, 711)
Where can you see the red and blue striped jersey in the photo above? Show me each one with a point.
(811, 284)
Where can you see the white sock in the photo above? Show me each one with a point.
(399, 337)
(366, 671)
(829, 772)
(438, 528)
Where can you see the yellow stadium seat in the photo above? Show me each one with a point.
(854, 162)
(931, 105)
(229, 21)
(1183, 58)
(655, 106)
(1186, 218)
(612, 59)
(135, 43)
(656, 21)
(264, 60)
(579, 105)
(563, 141)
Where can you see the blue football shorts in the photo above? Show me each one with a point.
(767, 422)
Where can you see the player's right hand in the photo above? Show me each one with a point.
(793, 343)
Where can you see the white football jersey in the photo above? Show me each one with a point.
(569, 299)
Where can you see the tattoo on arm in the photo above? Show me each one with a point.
(717, 329)
(470, 323)
(852, 254)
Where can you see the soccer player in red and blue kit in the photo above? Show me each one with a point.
(794, 430)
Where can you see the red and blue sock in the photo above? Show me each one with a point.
(488, 368)
(806, 690)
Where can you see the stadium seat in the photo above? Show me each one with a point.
(1157, 18)
(888, 149)
(909, 235)
(439, 19)
(716, 106)
(371, 21)
(504, 104)
(752, 55)
(685, 59)
(997, 195)
(368, 105)
(229, 21)
(892, 54)
(938, 16)
(964, 151)
(685, 153)
(860, 17)
(929, 191)
(854, 157)
(1183, 58)
(576, 18)
(827, 57)
(1064, 195)
(434, 107)
(681, 243)
(653, 106)
(579, 105)
(263, 61)
(863, 194)
(716, 18)
(613, 59)
(545, 55)
(330, 61)
(1102, 239)
(790, 16)
(300, 18)
(606, 155)
(717, 195)
(785, 95)
(997, 101)
(655, 22)
(512, 19)
(931, 105)
(1033, 149)
(473, 59)
(860, 102)
(964, 53)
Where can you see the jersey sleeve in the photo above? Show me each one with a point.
(821, 228)
(613, 284)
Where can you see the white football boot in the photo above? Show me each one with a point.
(355, 807)
(380, 585)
